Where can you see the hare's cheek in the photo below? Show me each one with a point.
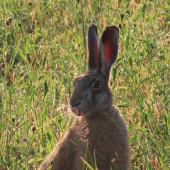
(88, 96)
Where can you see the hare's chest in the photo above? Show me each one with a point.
(96, 137)
(94, 143)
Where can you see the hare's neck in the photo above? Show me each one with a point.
(95, 121)
(98, 116)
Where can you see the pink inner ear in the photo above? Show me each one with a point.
(107, 50)
(110, 39)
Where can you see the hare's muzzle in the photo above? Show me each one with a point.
(76, 111)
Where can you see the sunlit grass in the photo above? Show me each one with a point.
(42, 50)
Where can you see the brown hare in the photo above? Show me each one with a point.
(98, 134)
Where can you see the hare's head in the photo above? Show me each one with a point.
(91, 93)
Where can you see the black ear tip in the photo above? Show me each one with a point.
(112, 28)
(110, 31)
(93, 27)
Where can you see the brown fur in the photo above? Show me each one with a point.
(99, 133)
(103, 133)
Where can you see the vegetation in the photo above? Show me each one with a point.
(43, 48)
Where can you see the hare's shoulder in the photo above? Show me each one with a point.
(116, 120)
(115, 113)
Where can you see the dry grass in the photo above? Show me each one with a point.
(42, 50)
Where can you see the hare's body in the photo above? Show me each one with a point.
(98, 134)
(103, 135)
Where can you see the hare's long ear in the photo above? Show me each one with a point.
(108, 49)
(93, 47)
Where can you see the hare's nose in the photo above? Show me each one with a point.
(75, 99)
(75, 104)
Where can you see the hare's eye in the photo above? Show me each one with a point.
(97, 85)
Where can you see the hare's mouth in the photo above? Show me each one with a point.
(76, 111)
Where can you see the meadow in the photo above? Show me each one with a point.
(43, 48)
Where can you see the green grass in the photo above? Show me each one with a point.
(42, 50)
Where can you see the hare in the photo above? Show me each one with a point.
(98, 135)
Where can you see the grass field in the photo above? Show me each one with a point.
(42, 49)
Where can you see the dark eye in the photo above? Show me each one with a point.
(97, 85)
